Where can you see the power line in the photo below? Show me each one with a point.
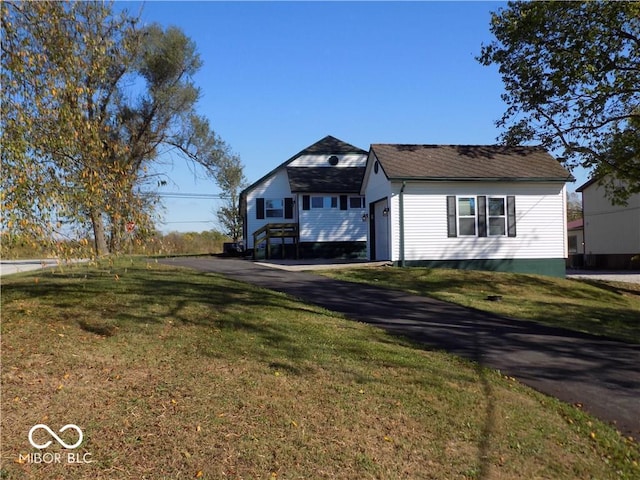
(188, 195)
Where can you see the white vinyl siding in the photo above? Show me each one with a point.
(274, 188)
(540, 222)
(376, 187)
(331, 224)
(345, 160)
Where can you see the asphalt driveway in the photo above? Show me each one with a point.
(602, 375)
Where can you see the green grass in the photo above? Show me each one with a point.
(602, 308)
(176, 374)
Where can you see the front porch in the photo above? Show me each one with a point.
(265, 234)
(270, 242)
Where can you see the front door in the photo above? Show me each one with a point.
(379, 228)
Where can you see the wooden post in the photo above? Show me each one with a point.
(268, 248)
(255, 246)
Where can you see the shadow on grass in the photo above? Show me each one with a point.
(107, 302)
(104, 330)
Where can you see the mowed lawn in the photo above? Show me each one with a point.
(172, 374)
(602, 308)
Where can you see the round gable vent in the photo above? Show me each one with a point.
(333, 160)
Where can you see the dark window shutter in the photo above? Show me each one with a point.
(306, 202)
(452, 230)
(482, 216)
(343, 202)
(511, 216)
(259, 208)
(288, 207)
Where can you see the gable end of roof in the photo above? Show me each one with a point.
(325, 146)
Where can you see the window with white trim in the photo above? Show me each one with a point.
(481, 216)
(496, 213)
(324, 202)
(274, 208)
(467, 216)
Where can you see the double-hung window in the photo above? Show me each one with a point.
(467, 216)
(497, 216)
(343, 202)
(324, 202)
(481, 216)
(356, 202)
(274, 208)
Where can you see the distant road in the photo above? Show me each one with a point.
(8, 267)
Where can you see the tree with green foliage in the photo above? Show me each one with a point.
(60, 68)
(91, 102)
(231, 180)
(571, 72)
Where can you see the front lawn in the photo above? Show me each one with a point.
(172, 373)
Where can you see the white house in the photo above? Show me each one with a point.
(474, 207)
(611, 232)
(310, 205)
(481, 207)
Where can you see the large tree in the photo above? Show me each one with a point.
(571, 72)
(90, 103)
(230, 177)
(61, 65)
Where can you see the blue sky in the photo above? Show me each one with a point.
(279, 76)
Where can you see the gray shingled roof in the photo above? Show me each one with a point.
(327, 146)
(330, 146)
(325, 179)
(440, 162)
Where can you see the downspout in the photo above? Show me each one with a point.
(242, 208)
(404, 184)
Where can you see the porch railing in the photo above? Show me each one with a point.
(276, 230)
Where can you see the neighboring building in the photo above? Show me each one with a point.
(475, 207)
(310, 205)
(611, 232)
(575, 242)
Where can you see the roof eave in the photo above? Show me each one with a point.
(481, 179)
(587, 184)
(327, 191)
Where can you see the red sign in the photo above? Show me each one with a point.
(130, 226)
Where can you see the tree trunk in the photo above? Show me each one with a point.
(117, 234)
(100, 240)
